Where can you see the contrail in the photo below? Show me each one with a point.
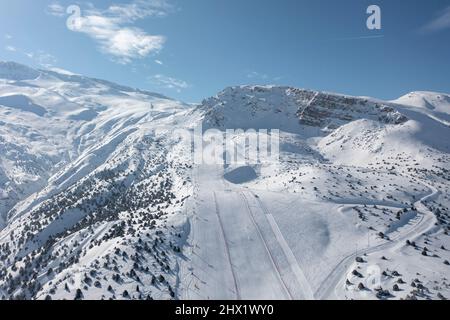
(360, 38)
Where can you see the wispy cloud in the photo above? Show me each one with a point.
(440, 22)
(140, 9)
(159, 62)
(39, 57)
(57, 10)
(10, 48)
(8, 36)
(169, 82)
(42, 58)
(113, 29)
(253, 75)
(257, 75)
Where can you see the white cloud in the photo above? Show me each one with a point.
(11, 48)
(42, 58)
(8, 36)
(113, 31)
(257, 75)
(123, 43)
(55, 9)
(279, 78)
(440, 22)
(159, 62)
(62, 71)
(169, 82)
(262, 76)
(140, 9)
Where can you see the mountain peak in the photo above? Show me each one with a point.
(17, 72)
(289, 108)
(436, 101)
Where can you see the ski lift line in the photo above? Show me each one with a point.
(227, 250)
(215, 279)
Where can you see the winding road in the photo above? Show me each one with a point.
(425, 223)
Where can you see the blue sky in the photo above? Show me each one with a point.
(191, 49)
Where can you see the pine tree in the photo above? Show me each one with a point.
(79, 295)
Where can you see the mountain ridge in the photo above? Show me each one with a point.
(95, 203)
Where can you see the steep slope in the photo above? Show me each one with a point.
(16, 72)
(50, 121)
(84, 179)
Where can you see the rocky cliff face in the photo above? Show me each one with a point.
(332, 111)
(269, 107)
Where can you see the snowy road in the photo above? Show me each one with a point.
(337, 277)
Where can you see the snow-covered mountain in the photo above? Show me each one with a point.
(434, 101)
(78, 161)
(95, 203)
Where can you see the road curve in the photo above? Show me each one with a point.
(426, 222)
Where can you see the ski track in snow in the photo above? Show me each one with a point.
(296, 269)
(261, 236)
(227, 249)
(260, 261)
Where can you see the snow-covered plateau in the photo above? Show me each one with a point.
(100, 199)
